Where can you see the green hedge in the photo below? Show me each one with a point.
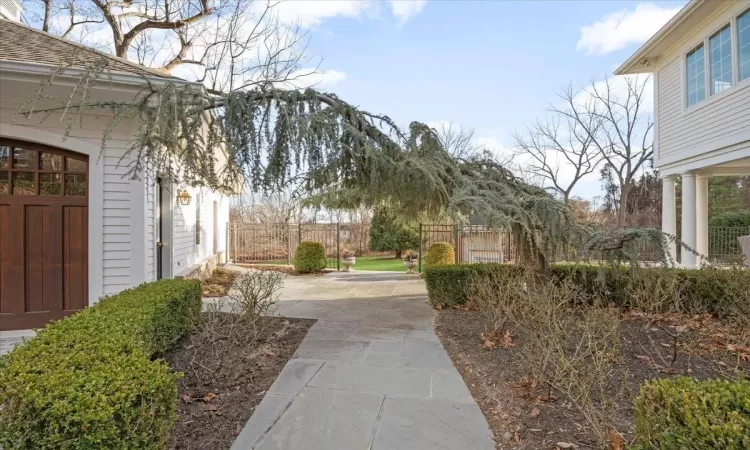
(450, 285)
(684, 414)
(716, 291)
(440, 253)
(90, 381)
(310, 257)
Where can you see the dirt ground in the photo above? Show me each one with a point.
(518, 410)
(223, 384)
(289, 270)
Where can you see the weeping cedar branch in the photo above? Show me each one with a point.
(273, 138)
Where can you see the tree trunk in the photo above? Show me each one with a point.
(398, 253)
(623, 209)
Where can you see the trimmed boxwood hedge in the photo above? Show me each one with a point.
(440, 253)
(682, 413)
(309, 257)
(713, 291)
(90, 381)
(451, 284)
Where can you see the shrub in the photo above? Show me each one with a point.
(440, 253)
(720, 292)
(451, 285)
(682, 414)
(89, 381)
(310, 257)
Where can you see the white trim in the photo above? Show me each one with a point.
(138, 232)
(657, 38)
(705, 161)
(96, 193)
(699, 150)
(27, 69)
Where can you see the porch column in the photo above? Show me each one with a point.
(669, 213)
(701, 215)
(689, 217)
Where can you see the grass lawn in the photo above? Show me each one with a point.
(384, 263)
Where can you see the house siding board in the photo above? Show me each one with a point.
(713, 124)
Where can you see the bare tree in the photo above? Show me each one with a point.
(613, 115)
(560, 143)
(226, 44)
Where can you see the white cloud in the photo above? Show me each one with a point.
(311, 13)
(406, 9)
(618, 86)
(320, 80)
(617, 30)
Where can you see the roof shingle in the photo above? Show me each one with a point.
(20, 43)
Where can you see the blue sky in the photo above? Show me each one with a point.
(493, 66)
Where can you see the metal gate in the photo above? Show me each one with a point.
(471, 243)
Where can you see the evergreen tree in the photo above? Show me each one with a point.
(391, 233)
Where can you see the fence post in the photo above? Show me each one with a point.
(226, 244)
(456, 250)
(421, 247)
(338, 245)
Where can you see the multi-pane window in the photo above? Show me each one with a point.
(720, 59)
(41, 171)
(696, 72)
(743, 45)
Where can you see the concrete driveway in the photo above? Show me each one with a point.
(371, 373)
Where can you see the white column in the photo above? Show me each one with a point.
(701, 215)
(669, 213)
(689, 218)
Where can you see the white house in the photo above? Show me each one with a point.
(73, 226)
(700, 62)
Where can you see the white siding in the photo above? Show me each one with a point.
(185, 251)
(716, 122)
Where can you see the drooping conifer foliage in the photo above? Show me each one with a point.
(267, 139)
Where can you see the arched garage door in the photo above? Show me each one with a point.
(43, 234)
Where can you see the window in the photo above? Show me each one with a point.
(696, 72)
(720, 58)
(743, 45)
(198, 219)
(41, 171)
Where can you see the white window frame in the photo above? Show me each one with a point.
(736, 83)
(736, 43)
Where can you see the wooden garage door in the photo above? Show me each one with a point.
(43, 234)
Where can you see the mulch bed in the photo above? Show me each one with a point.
(518, 410)
(218, 284)
(220, 390)
(289, 270)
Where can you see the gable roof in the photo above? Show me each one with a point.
(27, 45)
(642, 60)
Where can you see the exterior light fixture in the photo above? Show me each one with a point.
(645, 62)
(184, 197)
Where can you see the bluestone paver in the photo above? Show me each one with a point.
(370, 375)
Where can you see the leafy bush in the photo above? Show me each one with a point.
(451, 285)
(89, 381)
(730, 219)
(310, 257)
(440, 253)
(682, 414)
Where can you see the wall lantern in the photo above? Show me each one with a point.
(184, 197)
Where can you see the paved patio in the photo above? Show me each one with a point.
(371, 373)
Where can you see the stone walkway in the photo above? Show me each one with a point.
(370, 374)
(9, 339)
